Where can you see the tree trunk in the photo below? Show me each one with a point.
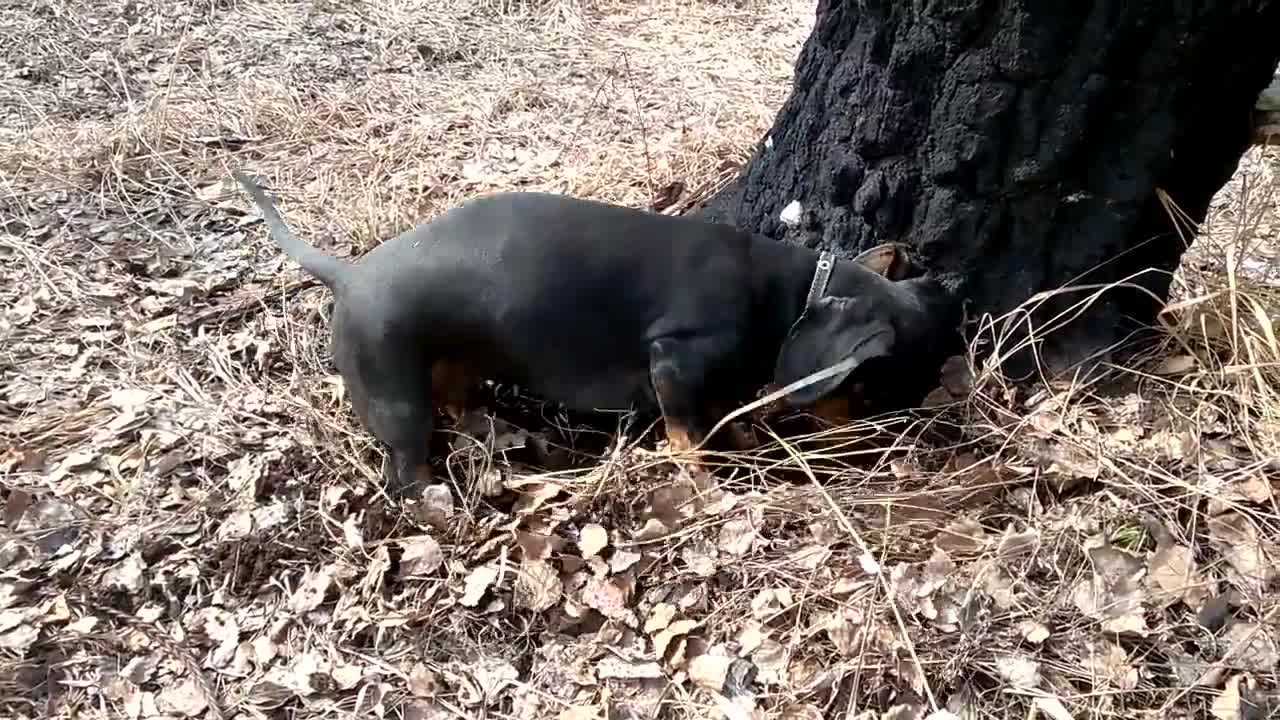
(1015, 147)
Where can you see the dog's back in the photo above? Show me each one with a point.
(551, 287)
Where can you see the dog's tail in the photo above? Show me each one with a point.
(326, 268)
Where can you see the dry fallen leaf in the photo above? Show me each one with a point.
(802, 712)
(904, 711)
(420, 710)
(1019, 670)
(423, 682)
(332, 496)
(435, 507)
(20, 638)
(612, 667)
(1176, 365)
(845, 630)
(662, 639)
(809, 557)
(623, 560)
(1174, 576)
(477, 582)
(140, 669)
(224, 629)
(737, 536)
(264, 649)
(653, 529)
(769, 602)
(1069, 464)
(1033, 632)
(351, 533)
(1256, 488)
(537, 586)
(750, 637)
(770, 659)
(592, 540)
(962, 537)
(1109, 663)
(1051, 706)
(347, 676)
(1115, 592)
(311, 591)
(236, 526)
(493, 675)
(184, 699)
(709, 671)
(1227, 705)
(580, 712)
(1251, 646)
(534, 546)
(700, 556)
(1251, 558)
(826, 531)
(606, 597)
(534, 493)
(659, 617)
(128, 575)
(1016, 544)
(421, 555)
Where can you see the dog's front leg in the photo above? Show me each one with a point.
(406, 472)
(451, 385)
(401, 417)
(678, 369)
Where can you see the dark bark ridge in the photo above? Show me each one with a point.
(1013, 146)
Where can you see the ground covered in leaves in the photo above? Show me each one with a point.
(191, 520)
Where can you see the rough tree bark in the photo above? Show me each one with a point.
(1013, 145)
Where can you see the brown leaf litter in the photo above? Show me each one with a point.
(194, 527)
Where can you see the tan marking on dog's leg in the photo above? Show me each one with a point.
(423, 475)
(833, 409)
(678, 438)
(681, 441)
(450, 387)
(857, 397)
(741, 435)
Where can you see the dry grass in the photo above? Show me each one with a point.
(191, 526)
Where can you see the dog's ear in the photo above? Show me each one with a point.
(832, 330)
(889, 260)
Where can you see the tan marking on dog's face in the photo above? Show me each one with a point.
(886, 260)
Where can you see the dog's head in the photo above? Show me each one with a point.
(875, 306)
